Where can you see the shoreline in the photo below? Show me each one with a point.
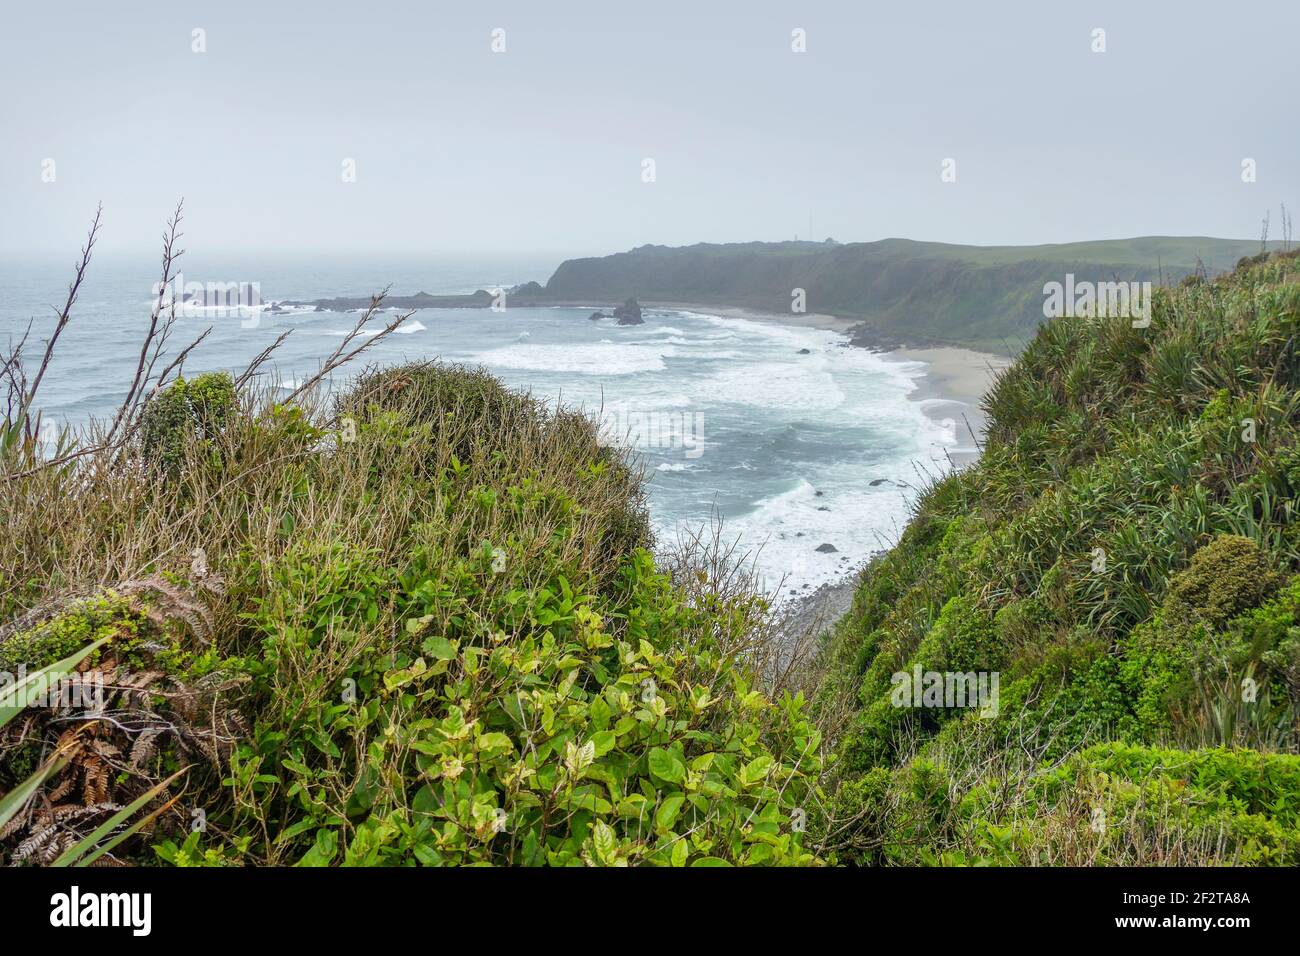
(951, 387)
(949, 390)
(952, 390)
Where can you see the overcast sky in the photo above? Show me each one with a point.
(541, 148)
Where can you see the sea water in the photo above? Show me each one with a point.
(809, 451)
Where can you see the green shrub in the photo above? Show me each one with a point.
(1226, 577)
(185, 411)
(83, 623)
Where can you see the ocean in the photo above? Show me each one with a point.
(806, 449)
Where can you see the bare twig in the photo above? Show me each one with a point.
(178, 362)
(66, 314)
(170, 255)
(260, 358)
(341, 357)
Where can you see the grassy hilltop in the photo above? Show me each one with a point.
(988, 297)
(1125, 556)
(421, 626)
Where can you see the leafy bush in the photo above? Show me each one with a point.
(183, 411)
(1227, 576)
(427, 628)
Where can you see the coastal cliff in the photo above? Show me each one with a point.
(891, 294)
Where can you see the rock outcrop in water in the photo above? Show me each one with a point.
(629, 313)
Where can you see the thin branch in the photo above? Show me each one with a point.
(260, 358)
(177, 362)
(339, 357)
(170, 255)
(66, 314)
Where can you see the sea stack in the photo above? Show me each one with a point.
(629, 313)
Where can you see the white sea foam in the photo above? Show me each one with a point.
(593, 359)
(788, 528)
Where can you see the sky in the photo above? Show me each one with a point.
(542, 147)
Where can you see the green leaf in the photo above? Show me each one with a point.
(669, 810)
(604, 741)
(666, 765)
(323, 851)
(755, 770)
(439, 648)
(680, 852)
(495, 741)
(605, 842)
(710, 861)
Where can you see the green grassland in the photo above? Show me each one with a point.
(987, 297)
(1124, 555)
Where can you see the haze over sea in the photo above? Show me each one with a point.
(789, 446)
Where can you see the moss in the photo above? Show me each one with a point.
(85, 622)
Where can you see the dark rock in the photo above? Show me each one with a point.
(878, 481)
(600, 315)
(827, 549)
(805, 351)
(819, 493)
(629, 313)
(822, 508)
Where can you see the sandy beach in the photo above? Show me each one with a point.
(952, 387)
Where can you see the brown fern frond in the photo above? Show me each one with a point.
(144, 747)
(69, 813)
(94, 787)
(63, 788)
(19, 821)
(43, 846)
(171, 603)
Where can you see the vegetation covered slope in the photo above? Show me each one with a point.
(420, 627)
(1124, 556)
(987, 297)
